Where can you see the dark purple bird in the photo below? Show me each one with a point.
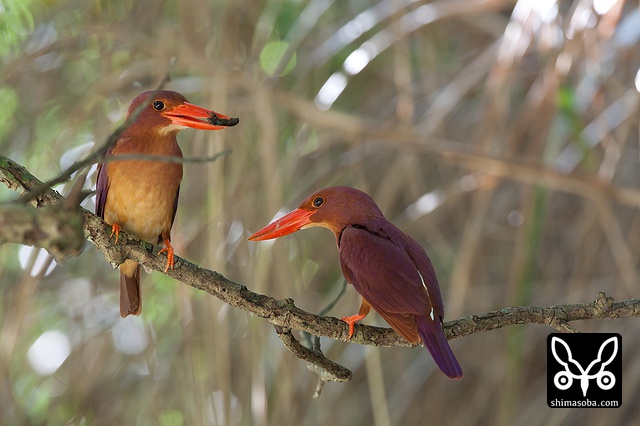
(388, 268)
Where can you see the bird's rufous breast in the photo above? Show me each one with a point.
(141, 197)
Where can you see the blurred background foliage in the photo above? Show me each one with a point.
(501, 134)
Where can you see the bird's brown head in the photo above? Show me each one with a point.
(334, 208)
(170, 112)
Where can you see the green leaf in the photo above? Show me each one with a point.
(272, 55)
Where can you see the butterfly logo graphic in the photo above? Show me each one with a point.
(564, 379)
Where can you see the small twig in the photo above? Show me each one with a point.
(164, 158)
(321, 381)
(75, 195)
(321, 365)
(319, 387)
(307, 336)
(99, 153)
(82, 194)
(314, 341)
(335, 301)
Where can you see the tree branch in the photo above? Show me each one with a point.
(54, 228)
(326, 369)
(283, 314)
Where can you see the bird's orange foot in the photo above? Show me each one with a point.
(352, 323)
(169, 249)
(115, 229)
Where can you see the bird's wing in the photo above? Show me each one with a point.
(383, 273)
(166, 234)
(102, 183)
(420, 258)
(102, 188)
(175, 206)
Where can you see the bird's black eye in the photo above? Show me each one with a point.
(158, 105)
(318, 201)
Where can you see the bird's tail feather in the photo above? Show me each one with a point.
(130, 297)
(436, 343)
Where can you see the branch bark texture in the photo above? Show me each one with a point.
(283, 314)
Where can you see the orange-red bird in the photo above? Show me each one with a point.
(141, 195)
(388, 268)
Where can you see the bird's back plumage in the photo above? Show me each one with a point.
(379, 262)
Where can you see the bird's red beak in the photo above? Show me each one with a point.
(286, 225)
(191, 115)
